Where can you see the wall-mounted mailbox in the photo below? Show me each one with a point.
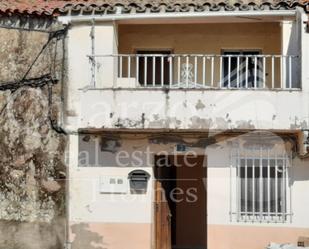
(138, 181)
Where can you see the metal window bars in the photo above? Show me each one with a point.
(260, 186)
(206, 71)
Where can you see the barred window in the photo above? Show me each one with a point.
(262, 187)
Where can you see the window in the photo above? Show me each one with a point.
(150, 69)
(259, 181)
(242, 69)
(262, 187)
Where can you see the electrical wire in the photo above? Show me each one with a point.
(33, 82)
(47, 79)
(52, 35)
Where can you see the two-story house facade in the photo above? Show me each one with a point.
(188, 123)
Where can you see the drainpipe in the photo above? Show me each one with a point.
(144, 16)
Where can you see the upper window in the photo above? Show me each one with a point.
(153, 70)
(242, 69)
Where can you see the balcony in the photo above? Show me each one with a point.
(230, 70)
(188, 76)
(194, 91)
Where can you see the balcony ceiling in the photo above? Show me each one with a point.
(101, 7)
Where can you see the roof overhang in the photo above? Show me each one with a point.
(201, 16)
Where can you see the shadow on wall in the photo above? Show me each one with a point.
(293, 49)
(85, 239)
(300, 170)
(32, 235)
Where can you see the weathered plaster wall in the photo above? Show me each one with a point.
(117, 155)
(192, 109)
(32, 169)
(98, 221)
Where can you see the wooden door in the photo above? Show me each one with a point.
(163, 219)
(183, 223)
(164, 174)
(191, 216)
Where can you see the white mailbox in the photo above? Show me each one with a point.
(114, 184)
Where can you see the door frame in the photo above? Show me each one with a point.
(155, 184)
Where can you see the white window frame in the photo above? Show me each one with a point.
(278, 212)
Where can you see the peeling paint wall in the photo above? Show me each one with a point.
(192, 109)
(110, 215)
(32, 169)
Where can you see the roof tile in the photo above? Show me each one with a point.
(61, 7)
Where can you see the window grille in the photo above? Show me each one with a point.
(262, 187)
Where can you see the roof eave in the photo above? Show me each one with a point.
(141, 16)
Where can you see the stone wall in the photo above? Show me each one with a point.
(32, 169)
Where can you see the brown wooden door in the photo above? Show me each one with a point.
(191, 216)
(163, 219)
(181, 223)
(164, 175)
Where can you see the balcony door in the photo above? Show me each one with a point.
(151, 70)
(245, 73)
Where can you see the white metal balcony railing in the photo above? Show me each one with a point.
(276, 72)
